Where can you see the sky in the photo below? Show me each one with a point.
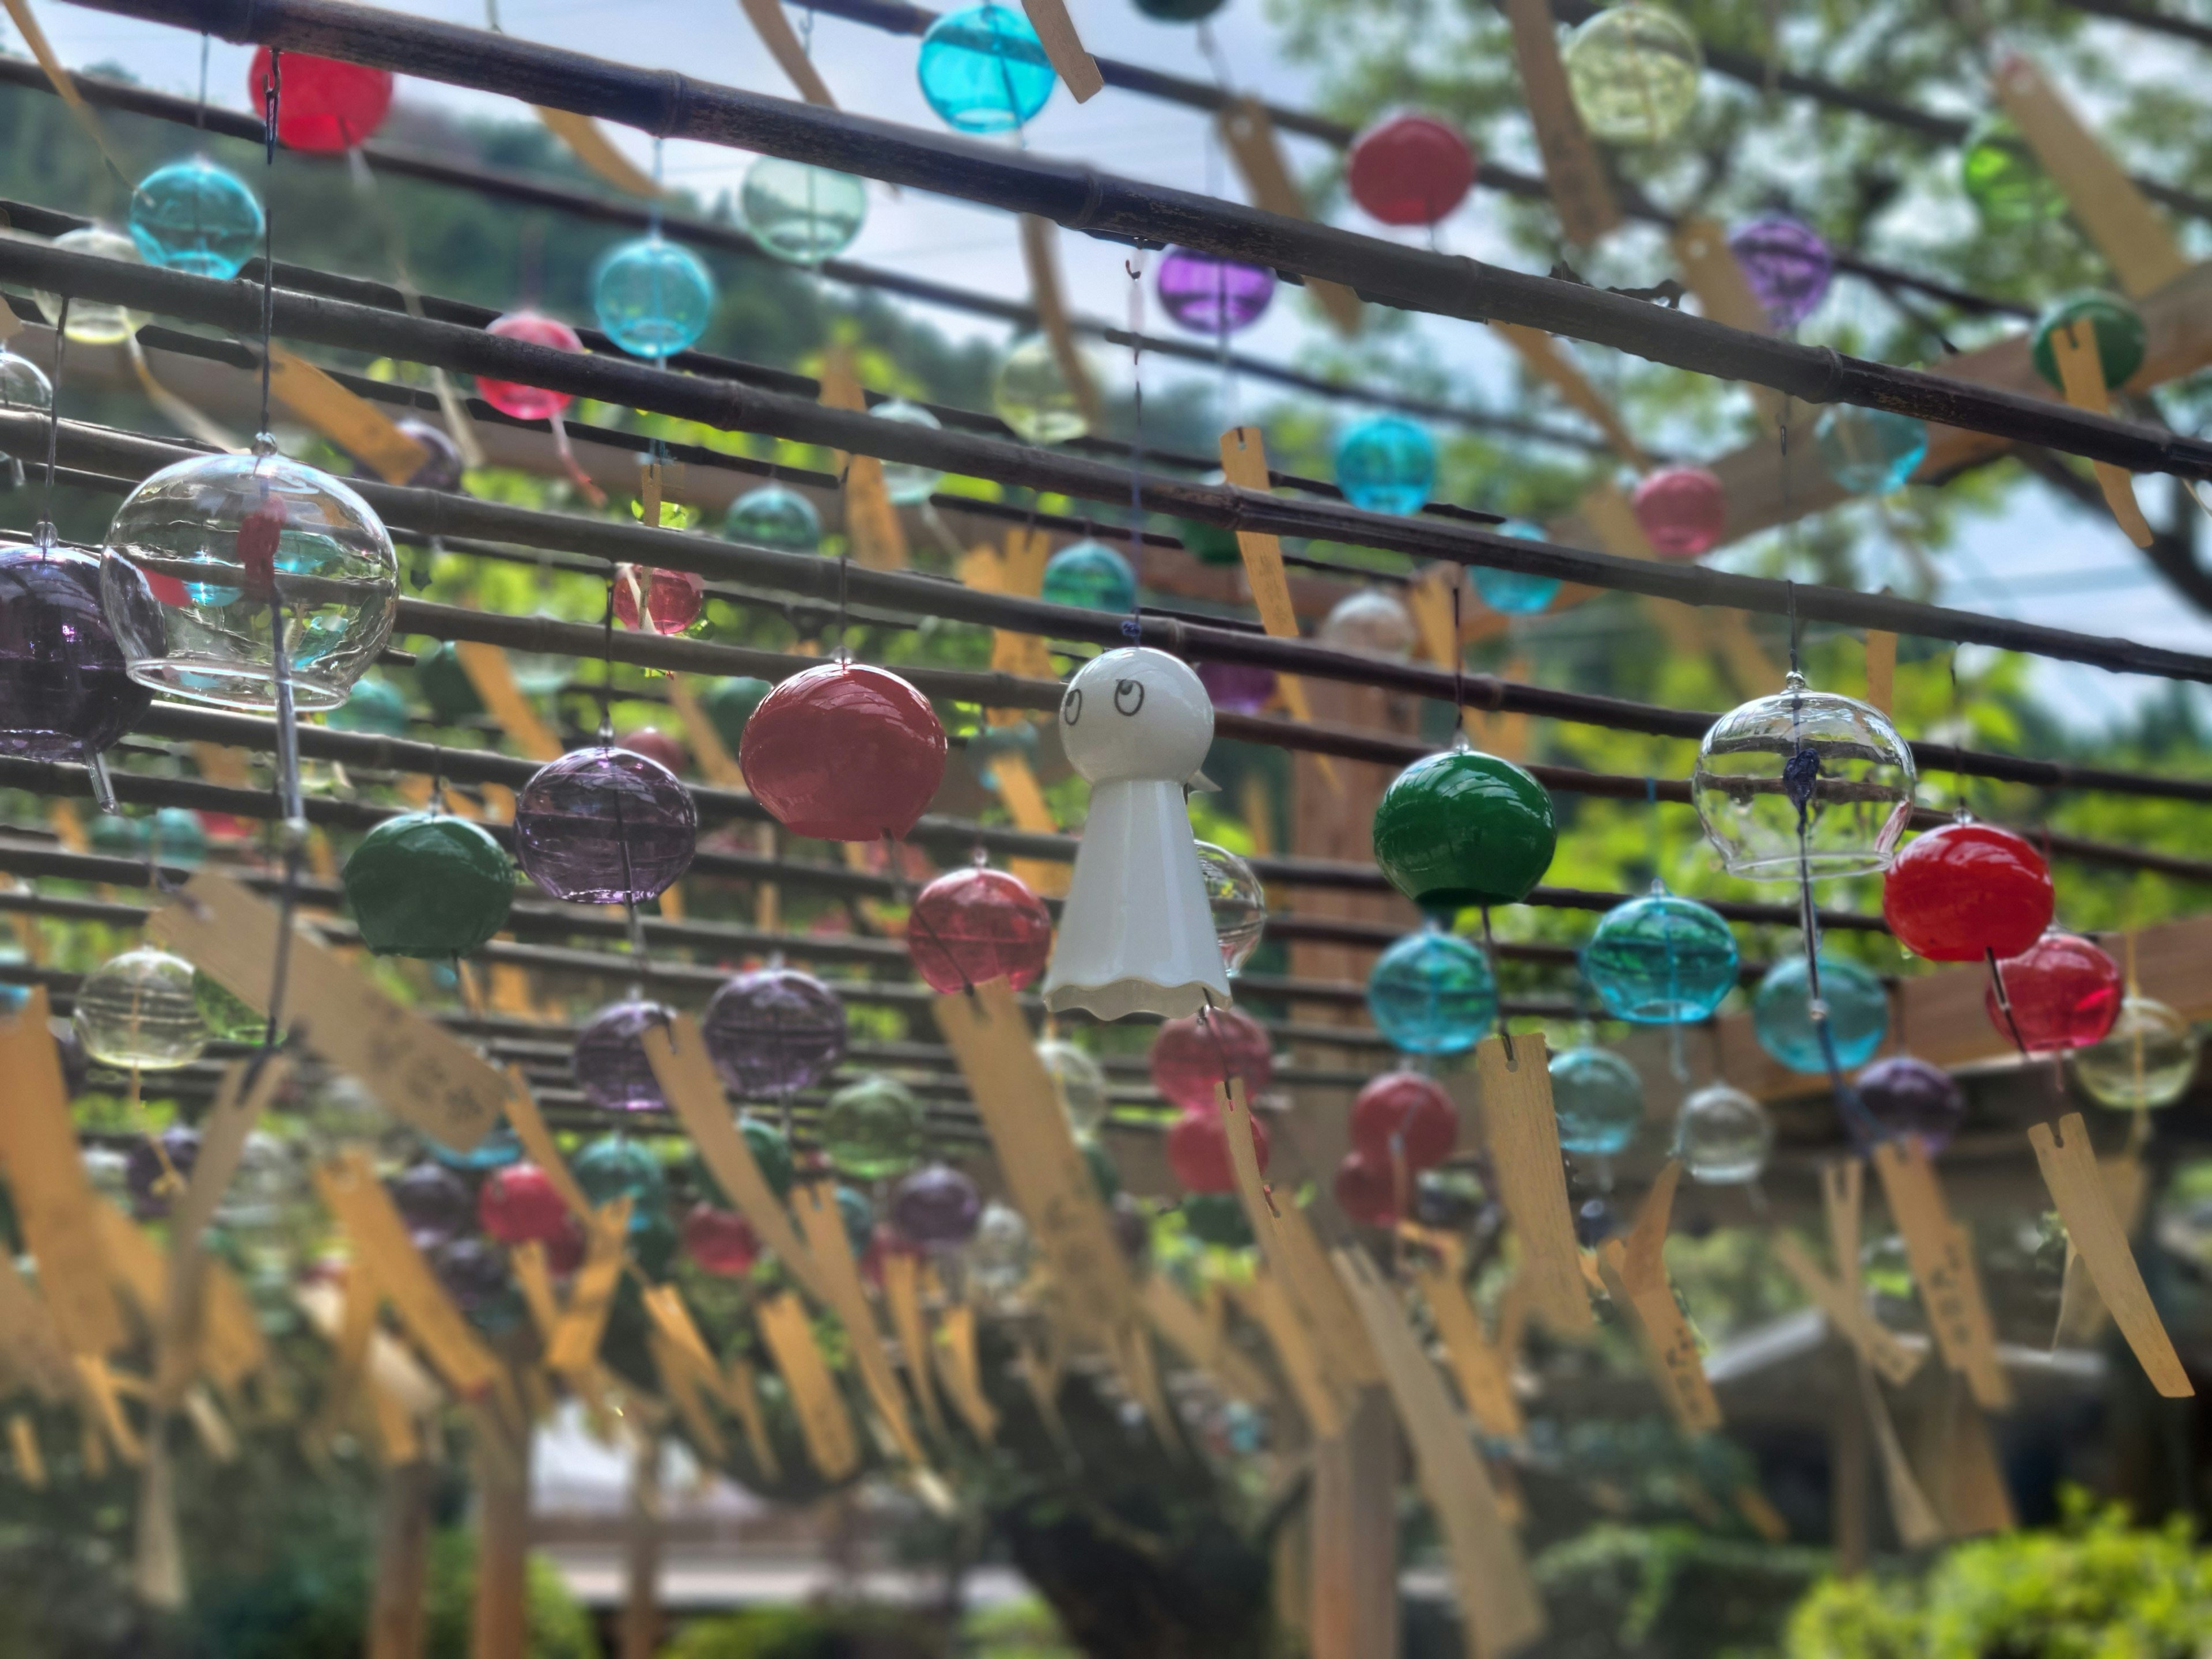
(2042, 558)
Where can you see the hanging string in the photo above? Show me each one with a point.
(200, 115)
(1459, 669)
(1489, 954)
(1136, 443)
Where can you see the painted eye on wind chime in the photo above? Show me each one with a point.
(1516, 592)
(799, 213)
(2064, 993)
(1869, 452)
(673, 599)
(1661, 960)
(1405, 1113)
(1032, 394)
(138, 1012)
(196, 217)
(983, 69)
(1207, 295)
(610, 1061)
(1410, 169)
(1463, 828)
(1386, 463)
(873, 1128)
(653, 297)
(1787, 265)
(1964, 891)
(970, 927)
(2003, 179)
(513, 399)
(201, 553)
(1370, 621)
(605, 826)
(773, 516)
(2121, 340)
(1723, 1136)
(1633, 71)
(614, 1167)
(1803, 783)
(1781, 1013)
(1682, 511)
(1191, 1060)
(773, 1033)
(1432, 992)
(428, 885)
(1906, 1095)
(907, 483)
(93, 322)
(1238, 900)
(327, 106)
(2147, 1060)
(844, 752)
(936, 1206)
(1089, 574)
(1597, 1098)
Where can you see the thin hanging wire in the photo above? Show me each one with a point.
(1133, 628)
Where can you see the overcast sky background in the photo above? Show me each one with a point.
(2042, 559)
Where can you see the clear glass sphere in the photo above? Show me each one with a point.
(1032, 394)
(91, 323)
(874, 1129)
(1597, 1098)
(196, 217)
(2148, 1059)
(1782, 1014)
(1386, 463)
(1372, 622)
(1633, 72)
(1432, 992)
(653, 297)
(1661, 960)
(202, 553)
(138, 1011)
(1869, 452)
(775, 516)
(1091, 574)
(801, 213)
(1078, 1079)
(983, 69)
(1723, 1136)
(1238, 900)
(995, 1262)
(1513, 591)
(23, 384)
(907, 485)
(1831, 764)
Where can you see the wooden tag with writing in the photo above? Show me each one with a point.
(1635, 1274)
(687, 1079)
(415, 1067)
(1055, 31)
(1548, 363)
(493, 676)
(1498, 1598)
(872, 523)
(1942, 1259)
(962, 1374)
(54, 1205)
(1250, 135)
(1039, 240)
(824, 1423)
(815, 1204)
(2127, 230)
(2082, 372)
(592, 146)
(2077, 1187)
(354, 424)
(1577, 177)
(902, 1292)
(1523, 1137)
(1484, 1381)
(774, 27)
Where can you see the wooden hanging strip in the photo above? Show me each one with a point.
(23, 1448)
(1055, 31)
(815, 1203)
(2082, 370)
(1917, 1524)
(1018, 570)
(1485, 1383)
(34, 37)
(1549, 362)
(961, 1373)
(1249, 133)
(1942, 1258)
(575, 1345)
(1572, 169)
(30, 1342)
(1245, 464)
(774, 27)
(902, 1292)
(416, 1068)
(1635, 1274)
(1202, 1342)
(737, 1387)
(1956, 1461)
(529, 1126)
(1880, 668)
(872, 523)
(2077, 1187)
(1847, 1316)
(589, 142)
(353, 424)
(681, 1384)
(1497, 1599)
(1515, 1099)
(2128, 231)
(1323, 1399)
(1039, 240)
(1714, 277)
(824, 1423)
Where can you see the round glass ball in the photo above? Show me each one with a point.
(906, 483)
(656, 746)
(176, 836)
(970, 927)
(1409, 169)
(138, 1011)
(1906, 1095)
(1091, 574)
(609, 1060)
(773, 1033)
(1782, 1014)
(721, 1242)
(845, 752)
(1237, 688)
(605, 826)
(653, 297)
(2064, 993)
(1633, 71)
(1198, 1150)
(374, 706)
(1370, 621)
(2122, 339)
(1513, 591)
(983, 69)
(936, 1205)
(1966, 890)
(2147, 1060)
(1032, 394)
(498, 1149)
(1661, 960)
(774, 516)
(616, 1167)
(1405, 1113)
(66, 691)
(519, 1204)
(1597, 1098)
(1238, 900)
(433, 1202)
(92, 322)
(1682, 511)
(201, 553)
(1803, 783)
(431, 885)
(672, 597)
(1869, 452)
(995, 1262)
(1190, 1060)
(1724, 1137)
(2003, 179)
(801, 213)
(196, 217)
(1432, 992)
(1386, 463)
(1204, 294)
(518, 400)
(1463, 828)
(873, 1128)
(326, 105)
(1787, 265)
(1078, 1080)
(1365, 1188)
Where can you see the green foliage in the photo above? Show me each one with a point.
(1660, 1592)
(832, 1633)
(2092, 1588)
(559, 1626)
